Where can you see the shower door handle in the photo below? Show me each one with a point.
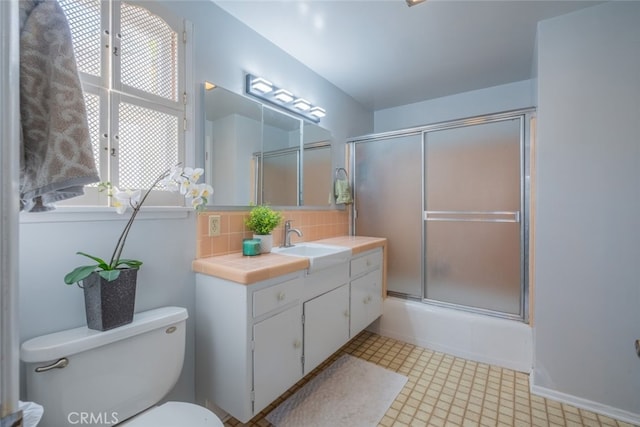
(473, 216)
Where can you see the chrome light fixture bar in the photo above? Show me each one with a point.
(414, 2)
(263, 89)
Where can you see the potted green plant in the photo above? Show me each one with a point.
(262, 220)
(109, 287)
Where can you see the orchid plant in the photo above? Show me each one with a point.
(176, 179)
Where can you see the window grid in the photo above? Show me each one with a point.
(147, 144)
(84, 23)
(136, 144)
(149, 57)
(92, 103)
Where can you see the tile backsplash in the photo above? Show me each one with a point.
(313, 224)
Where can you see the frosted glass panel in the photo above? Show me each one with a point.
(280, 175)
(473, 229)
(474, 264)
(317, 176)
(474, 168)
(388, 188)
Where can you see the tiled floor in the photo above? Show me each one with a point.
(444, 390)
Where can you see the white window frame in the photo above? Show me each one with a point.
(111, 91)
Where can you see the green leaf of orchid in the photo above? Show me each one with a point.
(131, 263)
(101, 263)
(79, 273)
(109, 275)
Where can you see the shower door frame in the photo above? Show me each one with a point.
(526, 117)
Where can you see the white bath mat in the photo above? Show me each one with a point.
(350, 392)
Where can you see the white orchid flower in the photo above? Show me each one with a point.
(206, 191)
(173, 179)
(193, 174)
(123, 199)
(192, 191)
(199, 194)
(185, 186)
(175, 173)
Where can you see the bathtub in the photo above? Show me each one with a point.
(486, 339)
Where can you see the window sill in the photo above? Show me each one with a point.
(103, 213)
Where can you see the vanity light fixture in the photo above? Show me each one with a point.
(261, 85)
(318, 112)
(302, 104)
(263, 89)
(283, 95)
(209, 86)
(414, 2)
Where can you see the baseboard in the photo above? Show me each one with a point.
(589, 405)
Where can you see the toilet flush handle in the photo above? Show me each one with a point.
(61, 363)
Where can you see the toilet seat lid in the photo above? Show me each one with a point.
(173, 414)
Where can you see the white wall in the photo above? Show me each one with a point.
(48, 252)
(587, 308)
(495, 99)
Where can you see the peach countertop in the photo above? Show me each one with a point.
(247, 270)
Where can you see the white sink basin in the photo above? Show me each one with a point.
(319, 255)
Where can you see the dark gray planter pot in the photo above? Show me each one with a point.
(110, 304)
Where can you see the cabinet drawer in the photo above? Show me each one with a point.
(276, 296)
(369, 261)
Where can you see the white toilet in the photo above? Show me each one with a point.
(86, 377)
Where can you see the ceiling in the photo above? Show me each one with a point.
(384, 53)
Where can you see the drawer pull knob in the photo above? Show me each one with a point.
(281, 296)
(346, 313)
(368, 263)
(297, 344)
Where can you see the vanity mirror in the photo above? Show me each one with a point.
(256, 154)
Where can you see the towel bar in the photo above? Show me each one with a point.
(346, 174)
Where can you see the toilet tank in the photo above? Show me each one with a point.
(82, 376)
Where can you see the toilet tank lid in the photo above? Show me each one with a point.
(66, 343)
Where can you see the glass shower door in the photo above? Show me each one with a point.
(388, 203)
(473, 203)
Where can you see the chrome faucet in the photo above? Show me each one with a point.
(286, 242)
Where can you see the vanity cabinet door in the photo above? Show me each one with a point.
(326, 326)
(277, 355)
(366, 301)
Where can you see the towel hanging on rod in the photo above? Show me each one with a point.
(341, 188)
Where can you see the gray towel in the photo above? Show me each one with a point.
(56, 153)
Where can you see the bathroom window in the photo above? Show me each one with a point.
(132, 67)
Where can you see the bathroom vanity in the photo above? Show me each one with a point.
(262, 323)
